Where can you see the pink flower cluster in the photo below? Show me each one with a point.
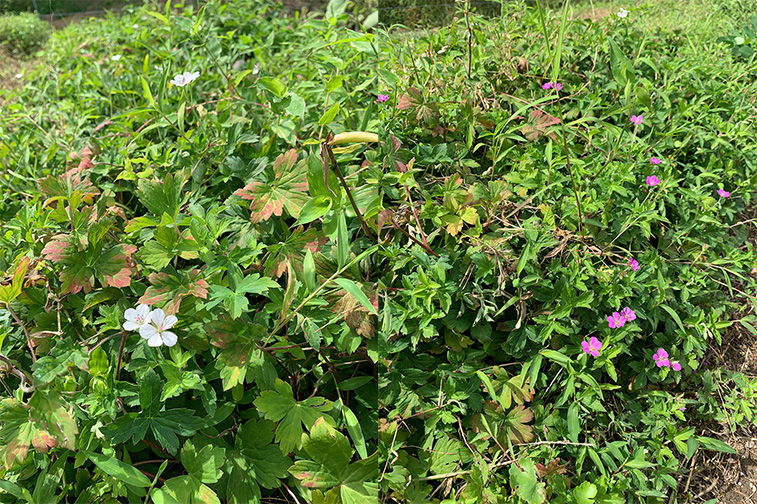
(383, 97)
(633, 263)
(619, 319)
(662, 360)
(549, 85)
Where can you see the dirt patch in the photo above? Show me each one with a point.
(12, 73)
(596, 14)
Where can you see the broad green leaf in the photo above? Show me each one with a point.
(149, 393)
(119, 470)
(526, 483)
(585, 493)
(280, 406)
(329, 466)
(205, 464)
(315, 208)
(329, 115)
(273, 85)
(355, 431)
(255, 462)
(715, 444)
(98, 362)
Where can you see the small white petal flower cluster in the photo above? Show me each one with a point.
(182, 80)
(152, 325)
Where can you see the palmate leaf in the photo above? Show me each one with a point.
(512, 425)
(173, 288)
(203, 467)
(237, 342)
(112, 266)
(356, 315)
(329, 466)
(292, 251)
(280, 406)
(161, 197)
(165, 425)
(44, 423)
(254, 462)
(288, 189)
(525, 481)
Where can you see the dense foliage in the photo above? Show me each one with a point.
(23, 33)
(189, 300)
(573, 197)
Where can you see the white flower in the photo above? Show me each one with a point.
(255, 68)
(135, 26)
(156, 333)
(18, 76)
(622, 13)
(137, 318)
(115, 57)
(182, 80)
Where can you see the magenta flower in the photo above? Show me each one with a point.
(676, 366)
(548, 85)
(383, 97)
(723, 194)
(654, 160)
(616, 320)
(628, 314)
(558, 86)
(593, 346)
(652, 180)
(634, 264)
(661, 358)
(637, 119)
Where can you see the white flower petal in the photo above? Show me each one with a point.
(130, 326)
(143, 310)
(169, 338)
(131, 314)
(158, 316)
(169, 322)
(155, 340)
(148, 331)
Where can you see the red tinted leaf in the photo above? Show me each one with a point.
(288, 190)
(173, 289)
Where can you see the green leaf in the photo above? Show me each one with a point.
(315, 208)
(328, 466)
(329, 115)
(296, 105)
(119, 470)
(715, 444)
(355, 292)
(355, 431)
(98, 362)
(288, 190)
(205, 464)
(618, 62)
(574, 425)
(149, 393)
(254, 462)
(342, 241)
(557, 357)
(147, 92)
(585, 493)
(525, 482)
(273, 85)
(280, 406)
(308, 271)
(163, 197)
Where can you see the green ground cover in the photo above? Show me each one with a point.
(250, 256)
(170, 165)
(555, 175)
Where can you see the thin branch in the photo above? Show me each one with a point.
(26, 333)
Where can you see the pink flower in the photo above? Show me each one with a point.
(637, 119)
(383, 97)
(558, 86)
(723, 194)
(654, 160)
(661, 358)
(548, 85)
(616, 320)
(593, 346)
(652, 180)
(634, 264)
(676, 366)
(682, 408)
(628, 314)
